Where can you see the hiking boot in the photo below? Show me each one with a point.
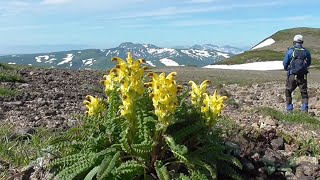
(289, 107)
(304, 107)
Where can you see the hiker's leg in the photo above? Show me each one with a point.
(303, 86)
(291, 85)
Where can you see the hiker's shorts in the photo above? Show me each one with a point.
(294, 81)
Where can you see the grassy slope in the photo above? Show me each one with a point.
(276, 51)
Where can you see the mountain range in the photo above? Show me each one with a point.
(197, 55)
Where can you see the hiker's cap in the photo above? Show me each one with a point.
(298, 38)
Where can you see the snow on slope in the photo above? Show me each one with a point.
(150, 63)
(223, 54)
(168, 62)
(88, 62)
(162, 50)
(66, 59)
(39, 58)
(259, 66)
(50, 60)
(265, 43)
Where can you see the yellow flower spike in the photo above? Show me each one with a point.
(171, 75)
(197, 92)
(119, 60)
(129, 59)
(108, 82)
(94, 105)
(164, 96)
(137, 64)
(203, 85)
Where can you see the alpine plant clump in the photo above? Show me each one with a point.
(146, 127)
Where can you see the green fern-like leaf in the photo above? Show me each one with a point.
(142, 148)
(130, 169)
(162, 171)
(209, 168)
(107, 166)
(198, 175)
(232, 160)
(183, 177)
(186, 131)
(77, 168)
(68, 160)
(226, 169)
(92, 173)
(178, 151)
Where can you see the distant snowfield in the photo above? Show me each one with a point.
(88, 62)
(265, 43)
(66, 59)
(150, 63)
(259, 66)
(223, 54)
(169, 62)
(39, 58)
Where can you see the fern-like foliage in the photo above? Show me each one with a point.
(162, 171)
(110, 146)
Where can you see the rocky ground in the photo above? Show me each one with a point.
(53, 98)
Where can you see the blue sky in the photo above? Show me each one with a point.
(107, 23)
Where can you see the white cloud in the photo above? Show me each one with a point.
(55, 1)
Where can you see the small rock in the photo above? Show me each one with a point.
(248, 166)
(36, 118)
(11, 104)
(51, 113)
(269, 121)
(290, 176)
(304, 159)
(280, 99)
(22, 132)
(1, 111)
(255, 156)
(277, 144)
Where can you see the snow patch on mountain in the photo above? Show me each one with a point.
(169, 62)
(88, 62)
(66, 59)
(150, 63)
(161, 50)
(108, 52)
(39, 58)
(196, 53)
(223, 54)
(258, 66)
(265, 43)
(201, 53)
(50, 60)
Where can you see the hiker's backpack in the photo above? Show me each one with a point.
(298, 63)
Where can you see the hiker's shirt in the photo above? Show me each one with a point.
(288, 57)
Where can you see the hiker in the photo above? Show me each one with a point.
(296, 62)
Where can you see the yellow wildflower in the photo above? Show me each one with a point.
(212, 106)
(164, 95)
(94, 105)
(198, 91)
